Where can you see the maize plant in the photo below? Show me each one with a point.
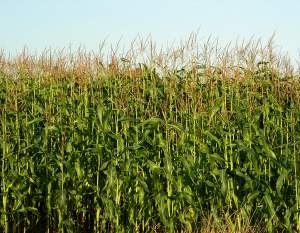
(89, 146)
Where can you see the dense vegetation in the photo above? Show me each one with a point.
(88, 146)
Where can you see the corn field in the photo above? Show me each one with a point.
(117, 145)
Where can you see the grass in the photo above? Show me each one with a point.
(194, 139)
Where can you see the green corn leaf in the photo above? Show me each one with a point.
(279, 182)
(162, 207)
(109, 208)
(111, 180)
(125, 119)
(216, 157)
(52, 128)
(209, 183)
(104, 165)
(184, 162)
(247, 179)
(69, 168)
(62, 199)
(215, 108)
(213, 137)
(270, 206)
(79, 170)
(222, 174)
(143, 183)
(175, 127)
(189, 198)
(36, 120)
(250, 197)
(287, 218)
(266, 147)
(152, 165)
(152, 120)
(67, 225)
(41, 110)
(92, 184)
(168, 164)
(69, 147)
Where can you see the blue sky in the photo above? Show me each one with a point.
(40, 24)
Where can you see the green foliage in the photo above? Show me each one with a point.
(145, 153)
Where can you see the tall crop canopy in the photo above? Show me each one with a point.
(93, 145)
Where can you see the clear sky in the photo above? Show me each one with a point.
(40, 24)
